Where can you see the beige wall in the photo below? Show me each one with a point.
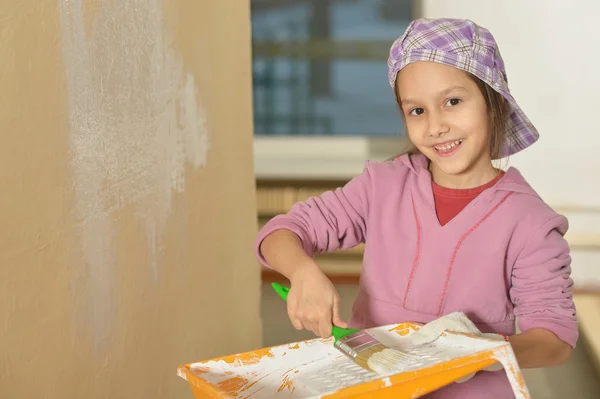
(127, 206)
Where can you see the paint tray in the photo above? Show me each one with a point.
(315, 369)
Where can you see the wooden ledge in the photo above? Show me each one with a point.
(588, 311)
(269, 276)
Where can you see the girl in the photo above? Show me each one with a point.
(444, 230)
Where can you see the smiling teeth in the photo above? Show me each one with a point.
(448, 146)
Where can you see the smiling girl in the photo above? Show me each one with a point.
(444, 230)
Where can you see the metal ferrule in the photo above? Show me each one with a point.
(353, 344)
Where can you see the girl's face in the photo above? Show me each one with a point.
(447, 121)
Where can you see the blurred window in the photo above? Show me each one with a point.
(319, 66)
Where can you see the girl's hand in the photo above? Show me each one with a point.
(455, 322)
(313, 302)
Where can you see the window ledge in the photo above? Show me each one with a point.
(588, 311)
(320, 157)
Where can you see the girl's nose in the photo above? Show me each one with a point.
(437, 124)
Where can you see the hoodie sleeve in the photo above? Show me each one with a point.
(542, 288)
(336, 219)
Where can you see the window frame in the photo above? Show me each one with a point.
(321, 157)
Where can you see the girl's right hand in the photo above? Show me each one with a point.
(313, 302)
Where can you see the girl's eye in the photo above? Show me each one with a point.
(452, 102)
(416, 111)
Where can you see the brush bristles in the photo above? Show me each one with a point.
(362, 358)
(381, 359)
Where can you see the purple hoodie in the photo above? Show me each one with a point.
(503, 256)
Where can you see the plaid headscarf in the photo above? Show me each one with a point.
(462, 44)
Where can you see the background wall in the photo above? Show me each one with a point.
(125, 155)
(553, 75)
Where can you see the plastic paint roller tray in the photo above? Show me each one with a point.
(316, 369)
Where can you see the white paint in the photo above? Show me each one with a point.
(393, 361)
(135, 122)
(389, 360)
(506, 356)
(316, 368)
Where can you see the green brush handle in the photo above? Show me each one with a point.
(338, 332)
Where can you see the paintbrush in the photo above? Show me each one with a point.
(364, 349)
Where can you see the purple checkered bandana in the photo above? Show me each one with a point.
(464, 45)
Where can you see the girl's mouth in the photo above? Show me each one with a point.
(448, 148)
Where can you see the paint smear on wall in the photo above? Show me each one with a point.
(136, 121)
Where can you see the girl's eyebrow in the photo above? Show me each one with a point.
(442, 93)
(451, 89)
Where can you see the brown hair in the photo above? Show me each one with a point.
(498, 111)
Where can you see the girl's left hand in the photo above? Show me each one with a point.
(454, 322)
